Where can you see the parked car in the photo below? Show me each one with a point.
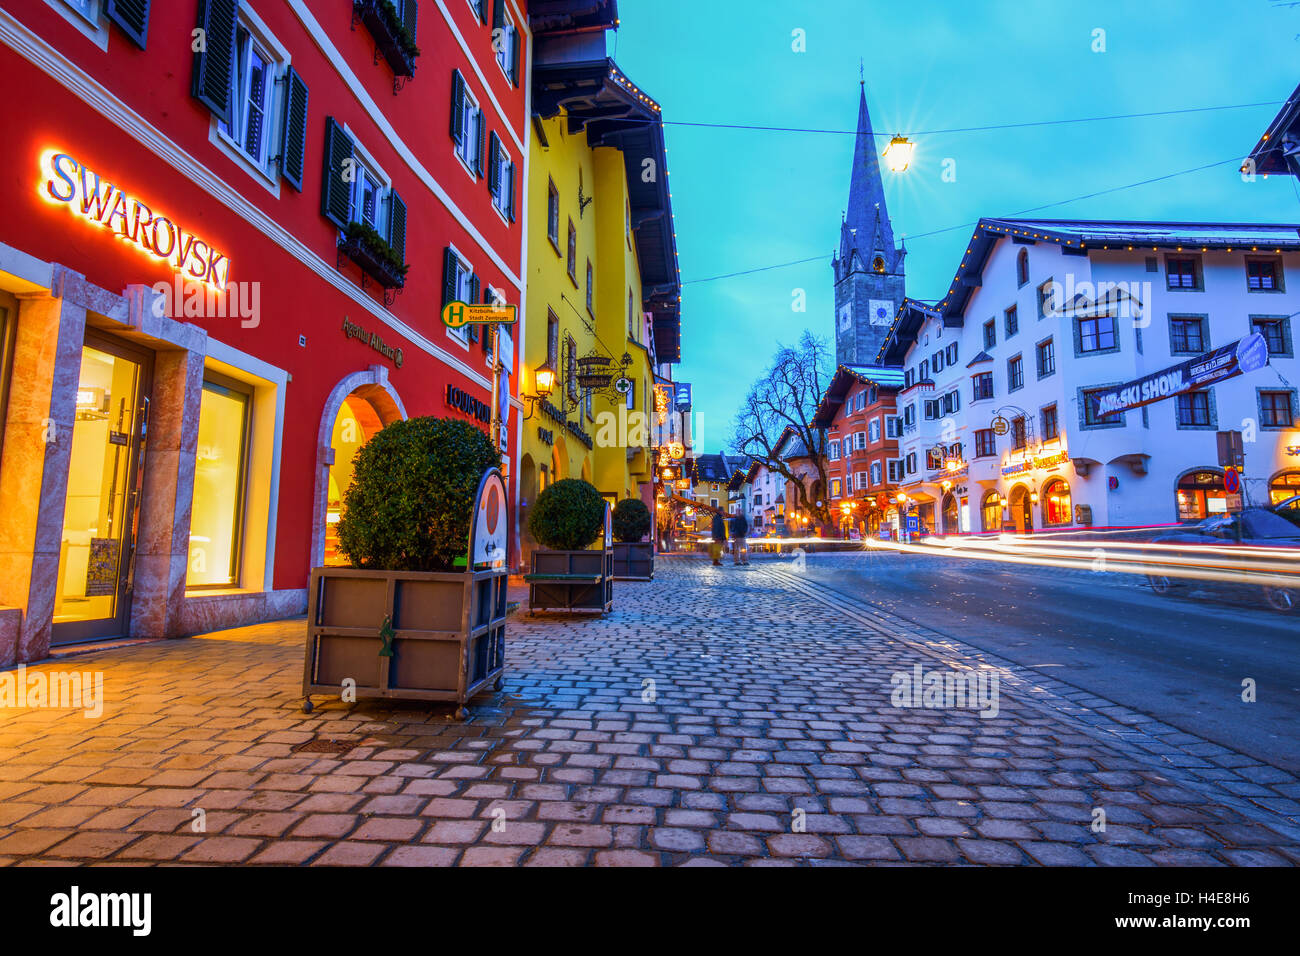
(1251, 527)
(1289, 508)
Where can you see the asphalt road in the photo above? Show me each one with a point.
(1180, 659)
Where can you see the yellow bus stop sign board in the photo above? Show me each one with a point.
(458, 314)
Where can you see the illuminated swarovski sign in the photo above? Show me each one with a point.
(82, 191)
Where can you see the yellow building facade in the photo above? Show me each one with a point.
(585, 322)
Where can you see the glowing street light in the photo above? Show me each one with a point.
(899, 153)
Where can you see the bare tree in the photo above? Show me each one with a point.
(786, 398)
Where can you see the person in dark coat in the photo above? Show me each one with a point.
(739, 530)
(719, 533)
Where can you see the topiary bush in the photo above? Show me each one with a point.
(631, 520)
(568, 516)
(412, 493)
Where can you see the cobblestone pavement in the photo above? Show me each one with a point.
(719, 715)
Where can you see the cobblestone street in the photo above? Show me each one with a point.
(688, 727)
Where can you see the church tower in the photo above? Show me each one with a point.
(869, 276)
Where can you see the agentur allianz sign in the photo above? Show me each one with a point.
(84, 193)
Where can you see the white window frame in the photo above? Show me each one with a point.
(505, 180)
(469, 143)
(89, 21)
(504, 55)
(834, 450)
(464, 272)
(893, 426)
(875, 472)
(366, 164)
(859, 441)
(278, 62)
(861, 480)
(873, 430)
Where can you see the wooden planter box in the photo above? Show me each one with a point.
(571, 581)
(634, 561)
(406, 635)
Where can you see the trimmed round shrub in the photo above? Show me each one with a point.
(412, 493)
(568, 516)
(631, 520)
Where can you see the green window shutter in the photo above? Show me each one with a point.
(293, 144)
(498, 13)
(474, 295)
(514, 57)
(457, 106)
(494, 172)
(132, 16)
(510, 185)
(397, 224)
(448, 276)
(482, 140)
(410, 12)
(483, 10)
(335, 191)
(214, 65)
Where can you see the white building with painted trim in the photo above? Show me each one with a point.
(1043, 314)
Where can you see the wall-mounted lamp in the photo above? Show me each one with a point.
(544, 383)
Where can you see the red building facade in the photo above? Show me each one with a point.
(230, 229)
(862, 433)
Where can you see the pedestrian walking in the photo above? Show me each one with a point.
(739, 530)
(719, 533)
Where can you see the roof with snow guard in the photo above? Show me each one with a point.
(845, 377)
(1081, 238)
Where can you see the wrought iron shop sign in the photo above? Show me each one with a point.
(1227, 361)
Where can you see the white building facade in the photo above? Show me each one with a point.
(1004, 434)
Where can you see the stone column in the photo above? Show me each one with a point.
(162, 545)
(34, 470)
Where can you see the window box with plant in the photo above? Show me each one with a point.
(634, 556)
(392, 26)
(369, 213)
(421, 613)
(567, 573)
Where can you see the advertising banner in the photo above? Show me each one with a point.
(1227, 361)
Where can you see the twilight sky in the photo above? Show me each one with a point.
(745, 199)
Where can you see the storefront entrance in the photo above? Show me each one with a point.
(1022, 515)
(355, 424)
(92, 598)
(951, 519)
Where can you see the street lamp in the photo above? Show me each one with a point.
(899, 153)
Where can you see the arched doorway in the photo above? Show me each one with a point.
(991, 511)
(358, 407)
(1057, 510)
(1022, 517)
(1200, 493)
(559, 461)
(1283, 485)
(951, 516)
(529, 488)
(354, 425)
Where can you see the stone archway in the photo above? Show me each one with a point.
(1022, 515)
(371, 390)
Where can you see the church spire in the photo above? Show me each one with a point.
(867, 212)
